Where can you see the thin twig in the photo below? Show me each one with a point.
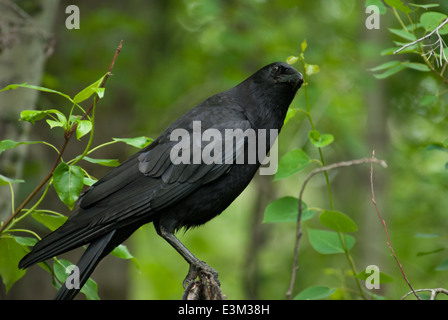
(385, 229)
(424, 37)
(299, 231)
(67, 137)
(434, 292)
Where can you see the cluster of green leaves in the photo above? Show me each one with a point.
(336, 238)
(430, 54)
(433, 54)
(68, 180)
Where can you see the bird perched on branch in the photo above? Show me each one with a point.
(154, 185)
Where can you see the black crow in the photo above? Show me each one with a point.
(164, 183)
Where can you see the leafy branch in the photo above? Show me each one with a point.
(300, 210)
(67, 178)
(430, 23)
(340, 240)
(67, 136)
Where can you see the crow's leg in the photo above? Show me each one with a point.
(196, 265)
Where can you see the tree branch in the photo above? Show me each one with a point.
(434, 292)
(424, 37)
(67, 137)
(206, 288)
(299, 231)
(385, 229)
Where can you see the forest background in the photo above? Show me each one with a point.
(177, 53)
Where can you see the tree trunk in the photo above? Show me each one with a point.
(25, 43)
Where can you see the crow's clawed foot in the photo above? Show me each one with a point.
(206, 288)
(191, 276)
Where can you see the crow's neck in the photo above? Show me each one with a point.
(263, 109)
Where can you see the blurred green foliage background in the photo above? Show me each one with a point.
(175, 54)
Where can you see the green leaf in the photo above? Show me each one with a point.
(431, 20)
(403, 34)
(384, 278)
(87, 92)
(291, 163)
(5, 180)
(24, 85)
(90, 288)
(103, 162)
(391, 51)
(289, 114)
(311, 69)
(68, 183)
(303, 46)
(292, 59)
(83, 127)
(26, 241)
(35, 115)
(138, 142)
(425, 6)
(51, 221)
(436, 146)
(122, 252)
(99, 92)
(428, 99)
(443, 266)
(9, 144)
(390, 71)
(386, 65)
(427, 235)
(425, 253)
(54, 124)
(89, 181)
(320, 140)
(378, 3)
(11, 252)
(399, 5)
(416, 66)
(337, 221)
(286, 209)
(328, 242)
(315, 293)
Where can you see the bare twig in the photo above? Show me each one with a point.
(439, 44)
(67, 137)
(434, 292)
(385, 229)
(436, 30)
(299, 231)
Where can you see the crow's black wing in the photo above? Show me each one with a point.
(152, 173)
(145, 183)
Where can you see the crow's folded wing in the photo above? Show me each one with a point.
(145, 183)
(152, 173)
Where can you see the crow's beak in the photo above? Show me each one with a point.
(294, 78)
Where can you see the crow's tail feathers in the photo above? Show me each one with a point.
(58, 242)
(96, 251)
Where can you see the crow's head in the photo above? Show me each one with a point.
(278, 75)
(282, 73)
(270, 90)
(277, 80)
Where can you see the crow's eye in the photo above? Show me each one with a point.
(276, 71)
